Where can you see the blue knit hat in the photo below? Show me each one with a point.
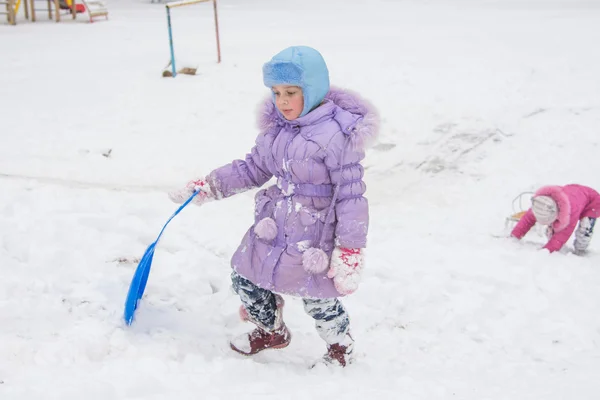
(299, 66)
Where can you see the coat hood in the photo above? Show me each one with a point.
(357, 117)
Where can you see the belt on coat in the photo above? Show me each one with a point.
(304, 189)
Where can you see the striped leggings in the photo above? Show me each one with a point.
(331, 319)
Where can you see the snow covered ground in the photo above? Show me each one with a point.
(480, 100)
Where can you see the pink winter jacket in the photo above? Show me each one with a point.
(574, 202)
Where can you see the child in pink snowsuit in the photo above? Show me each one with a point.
(561, 208)
(310, 227)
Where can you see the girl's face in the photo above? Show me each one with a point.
(289, 100)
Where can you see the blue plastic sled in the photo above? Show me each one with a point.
(138, 283)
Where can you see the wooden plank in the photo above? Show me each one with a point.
(32, 10)
(98, 9)
(10, 9)
(57, 10)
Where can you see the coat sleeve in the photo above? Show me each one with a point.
(524, 225)
(558, 240)
(351, 208)
(241, 175)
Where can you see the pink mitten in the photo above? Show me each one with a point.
(181, 195)
(345, 269)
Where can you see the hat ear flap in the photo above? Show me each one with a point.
(282, 73)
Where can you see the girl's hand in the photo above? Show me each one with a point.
(345, 269)
(181, 195)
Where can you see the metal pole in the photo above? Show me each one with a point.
(217, 32)
(174, 4)
(174, 70)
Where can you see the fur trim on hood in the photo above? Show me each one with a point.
(563, 203)
(364, 131)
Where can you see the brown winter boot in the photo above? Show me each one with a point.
(338, 355)
(261, 338)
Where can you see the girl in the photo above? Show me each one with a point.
(561, 207)
(311, 226)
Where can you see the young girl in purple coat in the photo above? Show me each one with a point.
(310, 227)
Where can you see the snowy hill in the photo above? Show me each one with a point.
(480, 101)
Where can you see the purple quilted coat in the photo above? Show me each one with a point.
(314, 159)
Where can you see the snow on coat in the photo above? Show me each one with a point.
(310, 156)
